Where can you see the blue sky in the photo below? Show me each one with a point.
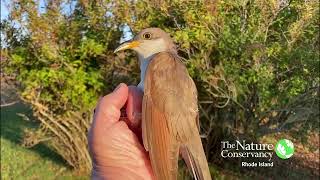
(4, 10)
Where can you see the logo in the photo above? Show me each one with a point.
(284, 149)
(247, 152)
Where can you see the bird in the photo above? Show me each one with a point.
(170, 117)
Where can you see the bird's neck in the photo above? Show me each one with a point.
(144, 62)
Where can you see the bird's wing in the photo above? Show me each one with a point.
(169, 113)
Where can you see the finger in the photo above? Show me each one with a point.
(108, 110)
(134, 107)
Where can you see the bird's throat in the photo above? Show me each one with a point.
(144, 62)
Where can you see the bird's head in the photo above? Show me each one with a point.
(149, 42)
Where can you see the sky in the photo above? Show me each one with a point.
(4, 10)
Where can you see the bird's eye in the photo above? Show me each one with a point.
(147, 36)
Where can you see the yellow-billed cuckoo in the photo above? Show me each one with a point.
(170, 119)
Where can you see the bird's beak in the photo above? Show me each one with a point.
(127, 45)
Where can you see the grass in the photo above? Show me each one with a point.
(18, 162)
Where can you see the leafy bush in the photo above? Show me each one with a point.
(254, 62)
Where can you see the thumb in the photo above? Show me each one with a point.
(108, 110)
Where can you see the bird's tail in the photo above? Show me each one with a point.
(193, 154)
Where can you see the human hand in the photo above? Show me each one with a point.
(115, 146)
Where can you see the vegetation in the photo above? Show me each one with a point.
(255, 63)
(18, 162)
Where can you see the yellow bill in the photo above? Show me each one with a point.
(127, 45)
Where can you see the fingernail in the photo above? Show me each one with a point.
(117, 87)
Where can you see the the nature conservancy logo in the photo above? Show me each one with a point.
(242, 149)
(284, 149)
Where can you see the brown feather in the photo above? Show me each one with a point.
(170, 118)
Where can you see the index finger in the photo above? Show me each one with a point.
(134, 108)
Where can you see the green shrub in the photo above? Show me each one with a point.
(253, 62)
